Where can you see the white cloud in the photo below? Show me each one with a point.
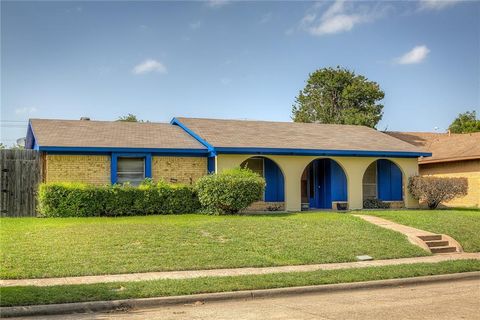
(436, 4)
(149, 65)
(195, 25)
(340, 16)
(25, 110)
(416, 55)
(217, 3)
(266, 18)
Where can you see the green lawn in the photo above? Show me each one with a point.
(463, 225)
(15, 296)
(53, 247)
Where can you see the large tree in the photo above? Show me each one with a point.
(465, 123)
(338, 95)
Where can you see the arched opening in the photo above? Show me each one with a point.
(324, 185)
(383, 180)
(275, 182)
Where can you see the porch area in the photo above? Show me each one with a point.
(296, 183)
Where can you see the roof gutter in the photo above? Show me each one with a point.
(318, 152)
(104, 150)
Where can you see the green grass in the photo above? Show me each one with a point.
(54, 247)
(463, 225)
(14, 296)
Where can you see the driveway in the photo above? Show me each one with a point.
(445, 300)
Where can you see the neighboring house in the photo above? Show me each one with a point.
(305, 165)
(453, 155)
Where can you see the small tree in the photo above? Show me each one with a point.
(434, 190)
(465, 123)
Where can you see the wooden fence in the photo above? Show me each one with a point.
(20, 175)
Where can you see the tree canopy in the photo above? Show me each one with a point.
(465, 123)
(338, 95)
(129, 118)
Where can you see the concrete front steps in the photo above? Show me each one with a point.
(438, 243)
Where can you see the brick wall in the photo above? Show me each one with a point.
(77, 168)
(265, 206)
(179, 169)
(469, 169)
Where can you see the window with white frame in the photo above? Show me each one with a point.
(130, 170)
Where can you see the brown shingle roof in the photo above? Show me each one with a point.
(82, 133)
(444, 147)
(291, 135)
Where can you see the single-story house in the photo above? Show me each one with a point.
(453, 155)
(305, 165)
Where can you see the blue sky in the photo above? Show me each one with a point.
(242, 60)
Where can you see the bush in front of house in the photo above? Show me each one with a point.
(375, 204)
(230, 191)
(83, 200)
(435, 190)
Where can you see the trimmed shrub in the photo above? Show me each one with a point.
(375, 204)
(83, 200)
(229, 191)
(435, 190)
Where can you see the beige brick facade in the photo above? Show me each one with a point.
(185, 170)
(77, 168)
(469, 169)
(265, 206)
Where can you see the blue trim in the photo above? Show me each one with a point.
(31, 141)
(200, 152)
(177, 122)
(211, 165)
(186, 155)
(114, 163)
(313, 152)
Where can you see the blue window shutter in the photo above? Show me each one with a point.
(274, 191)
(339, 182)
(389, 181)
(396, 182)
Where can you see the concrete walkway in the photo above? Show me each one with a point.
(231, 272)
(414, 235)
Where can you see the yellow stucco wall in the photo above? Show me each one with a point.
(77, 168)
(185, 170)
(354, 167)
(469, 169)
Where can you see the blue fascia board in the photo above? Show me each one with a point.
(104, 150)
(314, 152)
(177, 122)
(30, 141)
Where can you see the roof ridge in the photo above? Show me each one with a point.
(283, 122)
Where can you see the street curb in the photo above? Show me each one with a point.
(98, 306)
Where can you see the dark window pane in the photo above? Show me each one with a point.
(131, 170)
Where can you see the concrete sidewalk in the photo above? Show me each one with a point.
(231, 272)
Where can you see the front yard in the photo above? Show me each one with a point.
(54, 247)
(463, 224)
